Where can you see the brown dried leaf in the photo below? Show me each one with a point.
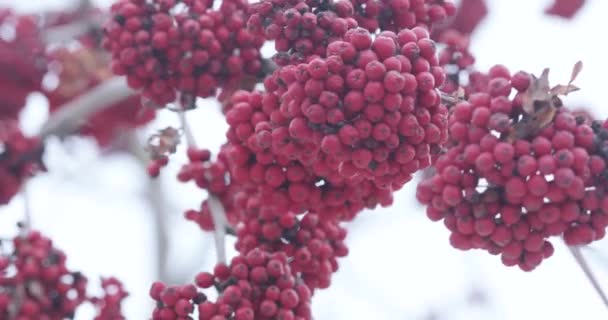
(576, 70)
(539, 90)
(163, 143)
(562, 90)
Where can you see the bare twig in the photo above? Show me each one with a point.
(186, 129)
(154, 195)
(451, 99)
(70, 116)
(582, 262)
(218, 213)
(219, 216)
(68, 32)
(26, 225)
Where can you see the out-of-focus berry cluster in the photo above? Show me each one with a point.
(36, 283)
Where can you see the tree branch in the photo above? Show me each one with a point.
(580, 259)
(218, 214)
(219, 217)
(70, 116)
(154, 195)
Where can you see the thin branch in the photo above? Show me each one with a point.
(26, 225)
(70, 116)
(218, 214)
(582, 262)
(187, 130)
(154, 195)
(70, 31)
(448, 99)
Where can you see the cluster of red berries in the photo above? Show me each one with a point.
(192, 52)
(109, 305)
(369, 111)
(81, 69)
(258, 131)
(22, 63)
(301, 28)
(35, 283)
(313, 244)
(20, 158)
(515, 176)
(396, 15)
(258, 285)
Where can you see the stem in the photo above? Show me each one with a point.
(71, 115)
(26, 225)
(449, 99)
(218, 214)
(68, 32)
(190, 142)
(582, 262)
(154, 195)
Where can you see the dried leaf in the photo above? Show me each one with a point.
(575, 71)
(533, 123)
(163, 143)
(562, 90)
(539, 90)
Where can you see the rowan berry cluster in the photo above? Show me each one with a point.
(22, 63)
(518, 172)
(258, 285)
(301, 28)
(35, 283)
(167, 46)
(20, 158)
(397, 15)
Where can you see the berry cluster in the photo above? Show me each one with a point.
(166, 47)
(20, 158)
(35, 283)
(280, 181)
(301, 28)
(369, 111)
(518, 171)
(109, 305)
(258, 285)
(312, 243)
(22, 63)
(396, 15)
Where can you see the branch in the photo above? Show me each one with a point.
(70, 116)
(218, 214)
(448, 99)
(70, 31)
(580, 259)
(219, 217)
(154, 195)
(26, 225)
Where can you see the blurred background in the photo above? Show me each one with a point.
(102, 209)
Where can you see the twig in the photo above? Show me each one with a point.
(186, 129)
(580, 259)
(68, 32)
(71, 115)
(26, 225)
(448, 99)
(218, 214)
(155, 197)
